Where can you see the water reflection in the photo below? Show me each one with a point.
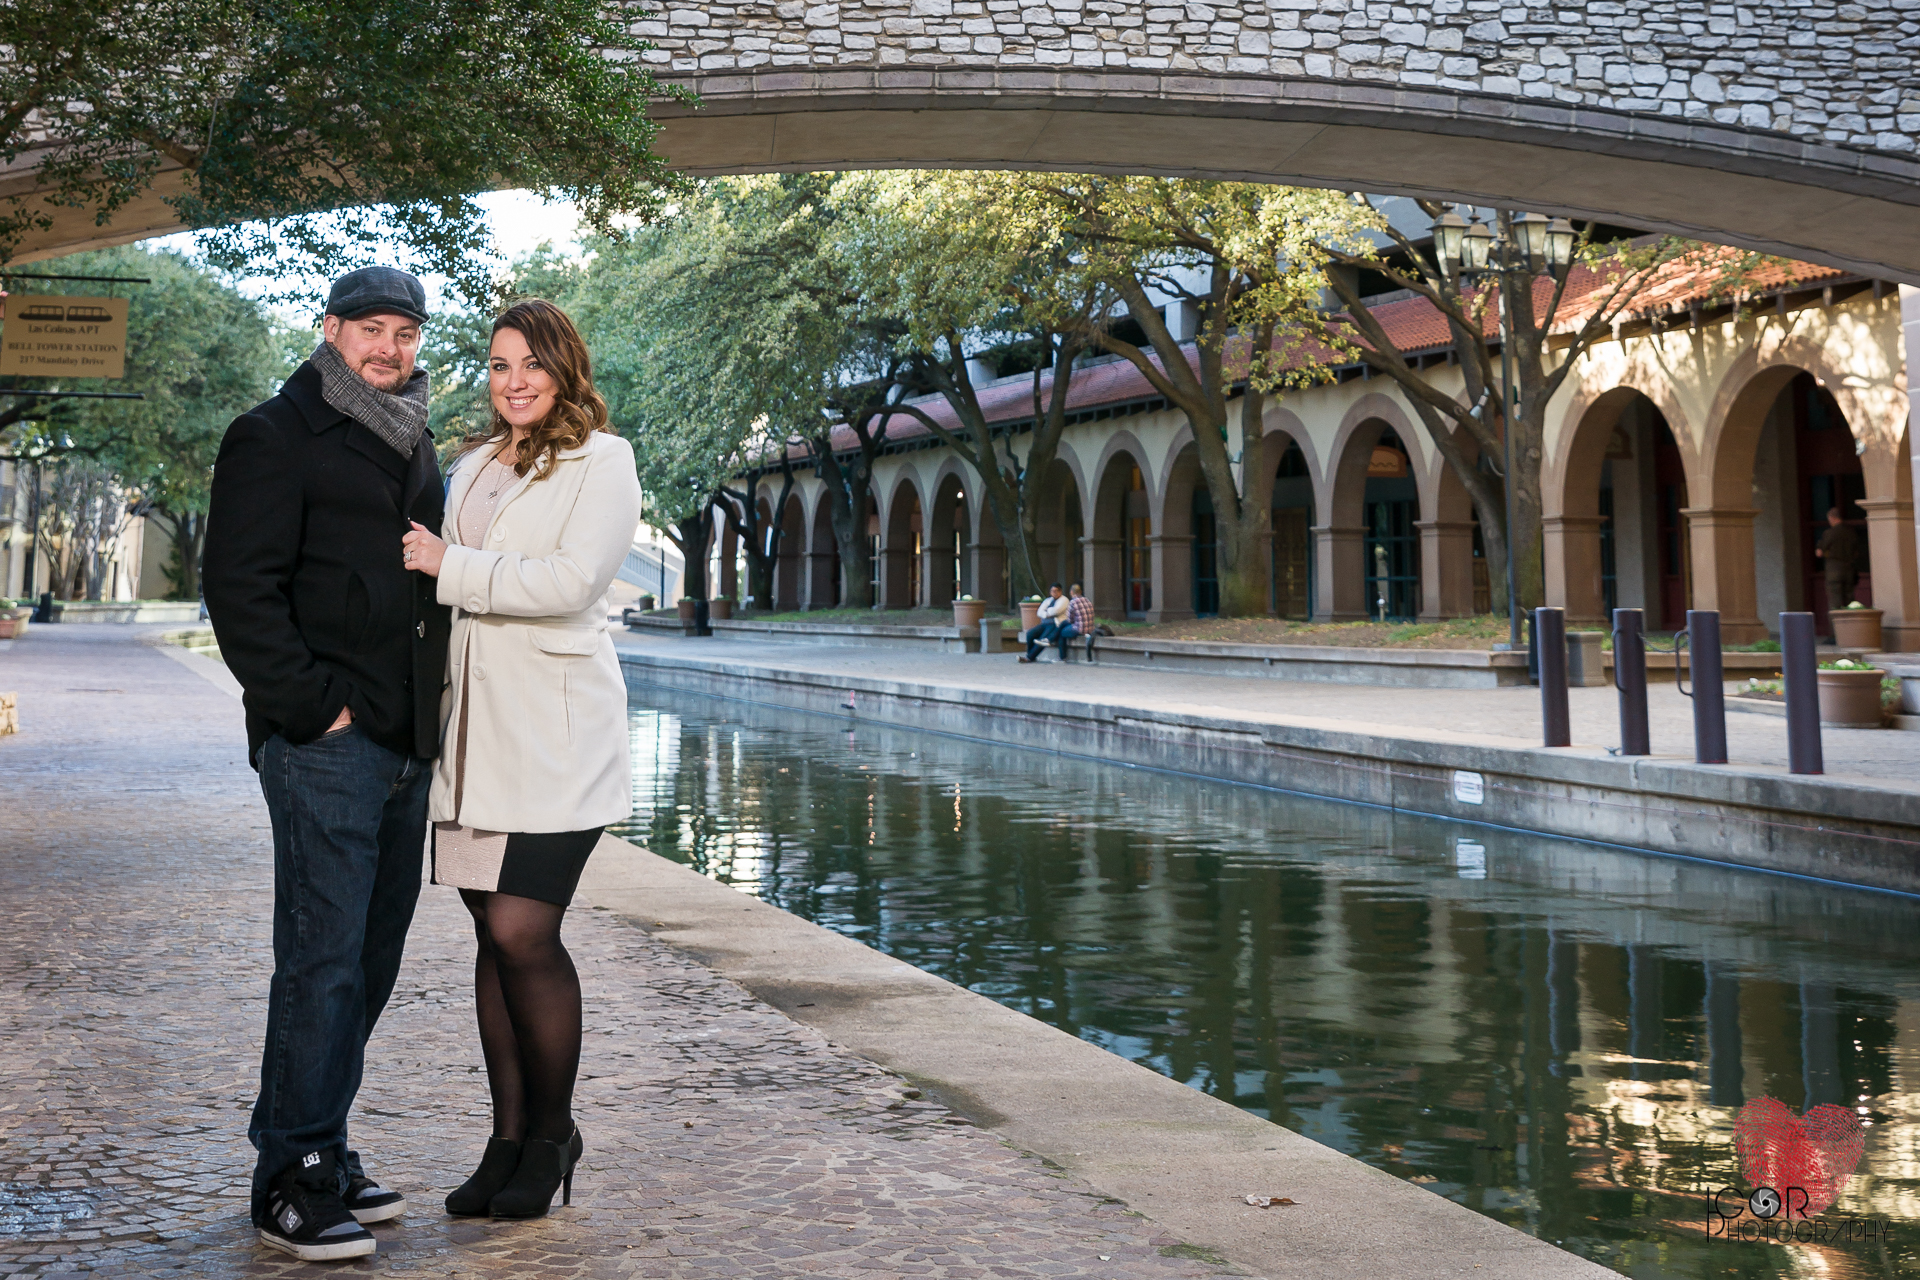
(1551, 1034)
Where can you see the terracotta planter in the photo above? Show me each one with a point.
(1029, 614)
(647, 604)
(1857, 629)
(1850, 699)
(686, 610)
(967, 614)
(719, 610)
(13, 624)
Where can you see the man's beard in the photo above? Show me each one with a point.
(382, 377)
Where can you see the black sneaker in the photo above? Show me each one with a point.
(306, 1217)
(366, 1199)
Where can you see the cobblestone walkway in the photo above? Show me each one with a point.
(722, 1138)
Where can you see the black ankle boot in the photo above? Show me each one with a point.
(545, 1167)
(471, 1198)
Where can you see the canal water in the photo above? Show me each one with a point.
(1552, 1034)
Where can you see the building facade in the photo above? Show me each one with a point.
(1691, 458)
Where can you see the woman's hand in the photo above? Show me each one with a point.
(421, 550)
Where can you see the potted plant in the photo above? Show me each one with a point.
(967, 613)
(1030, 613)
(687, 606)
(647, 602)
(719, 609)
(1849, 694)
(13, 619)
(1857, 627)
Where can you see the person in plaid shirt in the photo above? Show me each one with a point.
(1079, 615)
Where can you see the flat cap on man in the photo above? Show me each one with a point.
(376, 289)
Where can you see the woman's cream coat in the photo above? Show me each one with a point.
(530, 659)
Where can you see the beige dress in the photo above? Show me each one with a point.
(464, 858)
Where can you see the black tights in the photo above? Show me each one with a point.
(527, 996)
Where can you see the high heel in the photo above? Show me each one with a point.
(545, 1167)
(471, 1198)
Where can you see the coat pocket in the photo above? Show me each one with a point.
(567, 645)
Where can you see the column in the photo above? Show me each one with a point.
(1104, 574)
(936, 575)
(820, 571)
(1572, 552)
(1721, 541)
(1171, 555)
(893, 575)
(1340, 573)
(989, 573)
(1896, 583)
(1446, 568)
(729, 566)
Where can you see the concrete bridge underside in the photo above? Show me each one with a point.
(1803, 198)
(1786, 125)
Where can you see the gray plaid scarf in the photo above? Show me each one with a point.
(398, 418)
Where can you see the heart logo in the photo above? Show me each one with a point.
(1816, 1153)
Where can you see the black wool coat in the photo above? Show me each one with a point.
(303, 578)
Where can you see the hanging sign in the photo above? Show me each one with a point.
(47, 337)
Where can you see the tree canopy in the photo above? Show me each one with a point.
(305, 134)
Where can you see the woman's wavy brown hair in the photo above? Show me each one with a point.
(578, 411)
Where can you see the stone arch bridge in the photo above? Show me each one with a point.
(1791, 126)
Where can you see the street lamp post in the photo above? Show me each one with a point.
(1473, 250)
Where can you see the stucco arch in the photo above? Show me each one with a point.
(1107, 527)
(902, 539)
(823, 554)
(1721, 524)
(1340, 540)
(952, 497)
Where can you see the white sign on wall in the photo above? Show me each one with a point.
(1469, 788)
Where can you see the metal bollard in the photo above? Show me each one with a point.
(1799, 669)
(990, 632)
(1630, 680)
(1709, 687)
(1550, 632)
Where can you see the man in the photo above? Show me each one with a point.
(1839, 551)
(1053, 611)
(1079, 619)
(340, 650)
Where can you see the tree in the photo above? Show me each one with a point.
(1549, 332)
(958, 269)
(321, 131)
(201, 354)
(1245, 259)
(729, 331)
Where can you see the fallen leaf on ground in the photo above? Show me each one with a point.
(1267, 1202)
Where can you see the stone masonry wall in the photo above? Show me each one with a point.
(1838, 73)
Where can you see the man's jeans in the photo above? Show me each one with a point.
(1050, 632)
(349, 831)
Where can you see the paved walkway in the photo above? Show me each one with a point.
(722, 1138)
(1509, 717)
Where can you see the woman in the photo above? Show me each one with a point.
(541, 510)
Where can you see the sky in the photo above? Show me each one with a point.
(520, 222)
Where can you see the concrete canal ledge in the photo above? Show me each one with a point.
(1182, 1158)
(1861, 831)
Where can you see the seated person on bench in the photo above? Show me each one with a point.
(1053, 612)
(1079, 620)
